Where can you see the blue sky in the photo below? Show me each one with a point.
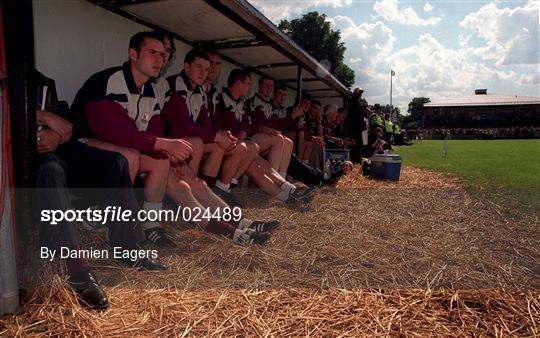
(438, 49)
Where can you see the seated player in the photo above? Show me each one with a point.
(313, 131)
(291, 119)
(332, 120)
(109, 106)
(186, 115)
(59, 167)
(185, 187)
(272, 144)
(288, 120)
(231, 115)
(144, 133)
(161, 88)
(297, 169)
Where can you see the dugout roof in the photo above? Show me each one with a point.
(240, 32)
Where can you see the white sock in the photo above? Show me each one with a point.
(244, 223)
(286, 189)
(234, 181)
(147, 206)
(223, 186)
(287, 186)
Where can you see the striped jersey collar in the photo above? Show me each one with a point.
(262, 99)
(132, 86)
(189, 87)
(229, 95)
(275, 106)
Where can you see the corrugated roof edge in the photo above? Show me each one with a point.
(314, 65)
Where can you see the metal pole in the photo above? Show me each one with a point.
(298, 100)
(346, 123)
(391, 76)
(299, 84)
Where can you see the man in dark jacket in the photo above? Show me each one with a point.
(62, 164)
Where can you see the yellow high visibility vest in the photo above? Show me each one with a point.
(388, 126)
(375, 119)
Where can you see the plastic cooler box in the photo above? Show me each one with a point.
(386, 166)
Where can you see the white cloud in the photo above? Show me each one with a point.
(375, 35)
(464, 40)
(427, 68)
(510, 32)
(390, 10)
(428, 7)
(278, 10)
(433, 70)
(529, 79)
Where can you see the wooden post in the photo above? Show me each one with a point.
(19, 47)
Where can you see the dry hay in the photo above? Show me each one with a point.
(319, 273)
(410, 177)
(283, 312)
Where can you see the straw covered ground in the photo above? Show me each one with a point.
(421, 256)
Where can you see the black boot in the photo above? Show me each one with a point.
(90, 293)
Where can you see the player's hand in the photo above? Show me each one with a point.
(224, 140)
(297, 112)
(242, 135)
(48, 140)
(179, 149)
(178, 168)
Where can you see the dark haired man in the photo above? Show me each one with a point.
(161, 87)
(272, 143)
(62, 164)
(139, 126)
(289, 119)
(113, 110)
(313, 132)
(186, 113)
(231, 115)
(213, 75)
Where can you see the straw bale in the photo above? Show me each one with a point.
(410, 177)
(283, 312)
(421, 256)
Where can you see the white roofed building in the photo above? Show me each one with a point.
(482, 110)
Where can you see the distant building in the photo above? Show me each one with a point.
(482, 110)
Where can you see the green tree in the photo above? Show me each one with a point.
(416, 106)
(314, 34)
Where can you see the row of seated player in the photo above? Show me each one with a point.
(181, 136)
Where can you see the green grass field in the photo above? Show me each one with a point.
(506, 165)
